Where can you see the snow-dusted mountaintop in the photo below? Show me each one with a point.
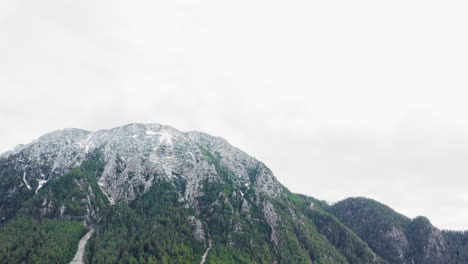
(134, 156)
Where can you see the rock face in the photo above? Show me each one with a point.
(393, 236)
(134, 156)
(428, 242)
(154, 194)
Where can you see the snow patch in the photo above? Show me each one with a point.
(87, 143)
(165, 137)
(150, 133)
(62, 210)
(110, 199)
(26, 182)
(40, 184)
(135, 136)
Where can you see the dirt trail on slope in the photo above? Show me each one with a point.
(81, 248)
(210, 245)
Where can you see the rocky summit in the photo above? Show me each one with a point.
(148, 193)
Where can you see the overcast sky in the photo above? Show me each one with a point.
(339, 98)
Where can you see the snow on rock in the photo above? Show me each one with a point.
(40, 183)
(136, 155)
(86, 143)
(26, 182)
(150, 133)
(240, 163)
(5, 154)
(165, 137)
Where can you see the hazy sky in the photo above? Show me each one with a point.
(339, 98)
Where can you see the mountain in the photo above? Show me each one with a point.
(153, 194)
(397, 238)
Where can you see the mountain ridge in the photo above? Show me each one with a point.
(202, 198)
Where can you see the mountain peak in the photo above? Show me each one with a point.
(134, 155)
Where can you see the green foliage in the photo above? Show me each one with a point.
(39, 232)
(457, 246)
(373, 222)
(70, 196)
(396, 238)
(300, 241)
(24, 240)
(341, 237)
(431, 246)
(230, 255)
(222, 211)
(365, 208)
(11, 196)
(152, 229)
(418, 232)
